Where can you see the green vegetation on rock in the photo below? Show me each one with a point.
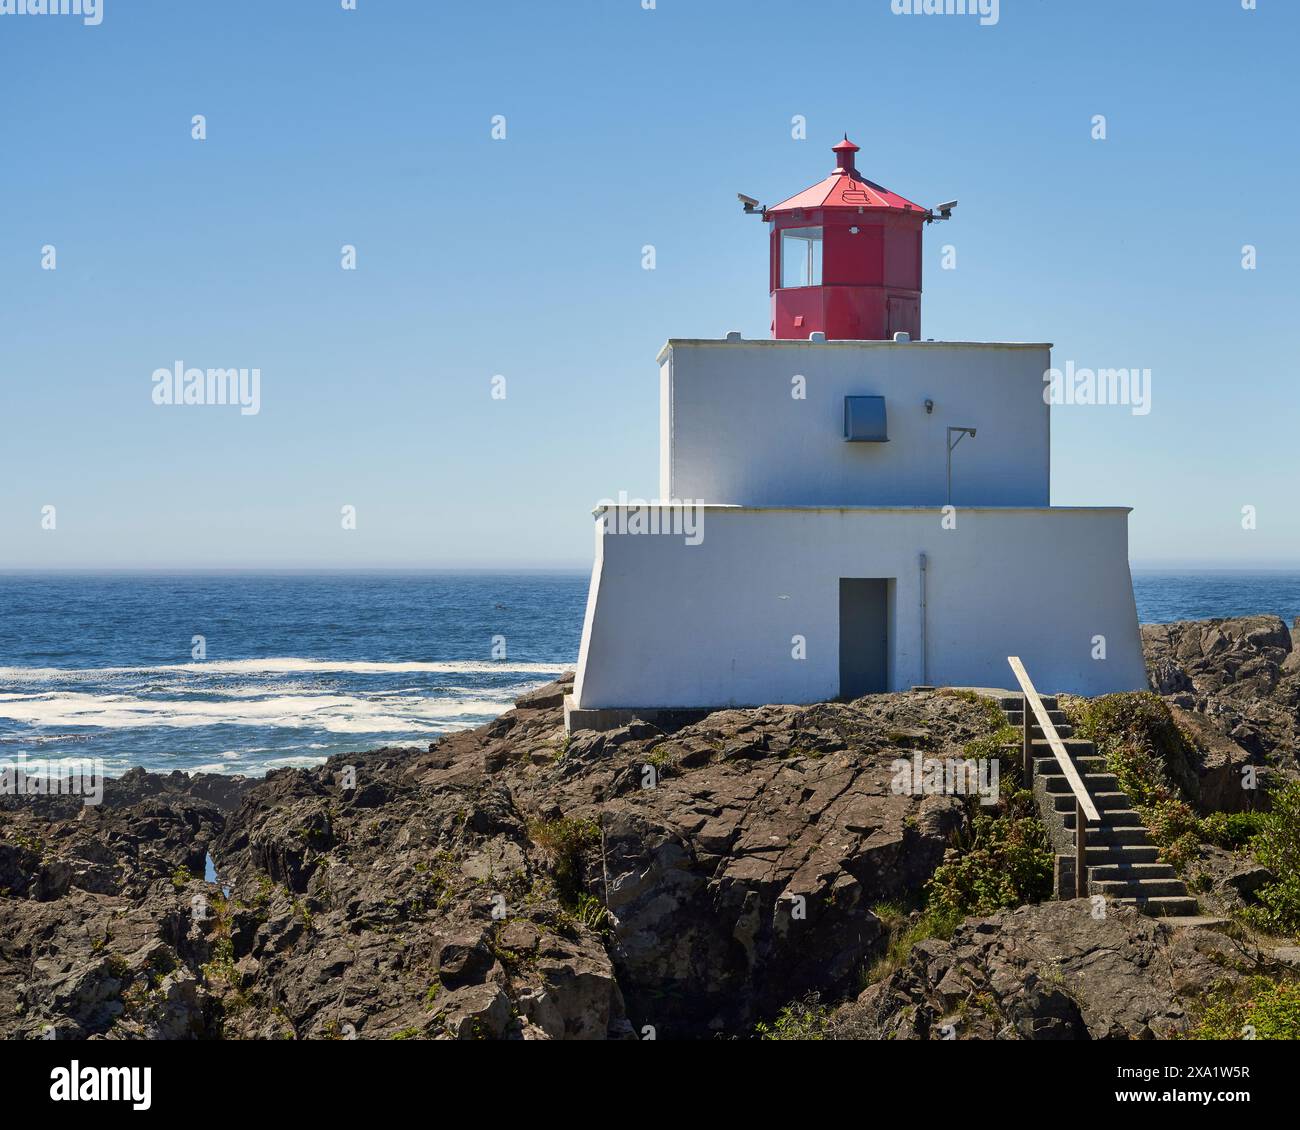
(1007, 863)
(904, 934)
(564, 841)
(1005, 859)
(1262, 1009)
(1145, 749)
(1277, 847)
(807, 1019)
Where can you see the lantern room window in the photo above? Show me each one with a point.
(801, 257)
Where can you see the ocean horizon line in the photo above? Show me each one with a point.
(299, 571)
(1194, 567)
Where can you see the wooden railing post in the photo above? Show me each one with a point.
(1028, 743)
(1080, 851)
(1084, 808)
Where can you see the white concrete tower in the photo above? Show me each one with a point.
(861, 516)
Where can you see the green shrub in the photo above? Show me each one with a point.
(1170, 820)
(803, 1020)
(589, 911)
(1141, 774)
(1181, 852)
(1138, 719)
(1261, 1010)
(892, 913)
(1232, 830)
(1004, 745)
(1277, 847)
(565, 841)
(1145, 749)
(1009, 863)
(932, 924)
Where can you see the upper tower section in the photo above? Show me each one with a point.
(846, 258)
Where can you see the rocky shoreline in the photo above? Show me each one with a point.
(509, 882)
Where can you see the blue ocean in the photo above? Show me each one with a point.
(296, 667)
(1165, 597)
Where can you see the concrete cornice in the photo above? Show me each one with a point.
(935, 509)
(772, 343)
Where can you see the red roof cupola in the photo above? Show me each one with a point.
(844, 151)
(846, 258)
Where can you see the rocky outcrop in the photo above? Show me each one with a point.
(512, 882)
(1055, 971)
(1241, 674)
(378, 911)
(739, 856)
(735, 889)
(94, 914)
(1225, 882)
(1213, 777)
(461, 891)
(393, 908)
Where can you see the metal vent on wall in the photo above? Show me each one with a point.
(864, 419)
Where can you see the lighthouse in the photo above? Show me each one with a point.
(846, 258)
(868, 511)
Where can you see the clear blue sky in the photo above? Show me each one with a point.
(522, 257)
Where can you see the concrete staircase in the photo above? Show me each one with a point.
(1122, 862)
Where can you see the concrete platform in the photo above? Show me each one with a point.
(672, 717)
(611, 718)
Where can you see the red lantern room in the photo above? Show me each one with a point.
(846, 258)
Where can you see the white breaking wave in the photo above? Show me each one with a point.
(286, 665)
(260, 766)
(336, 714)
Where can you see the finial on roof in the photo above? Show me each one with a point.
(844, 150)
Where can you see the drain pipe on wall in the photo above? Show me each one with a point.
(925, 658)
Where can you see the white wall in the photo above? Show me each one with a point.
(711, 625)
(730, 432)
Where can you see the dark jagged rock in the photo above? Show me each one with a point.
(512, 882)
(1214, 777)
(94, 914)
(1225, 882)
(1050, 972)
(1242, 674)
(746, 872)
(414, 893)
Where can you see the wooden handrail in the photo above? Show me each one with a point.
(1084, 809)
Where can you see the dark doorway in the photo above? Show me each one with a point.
(864, 636)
